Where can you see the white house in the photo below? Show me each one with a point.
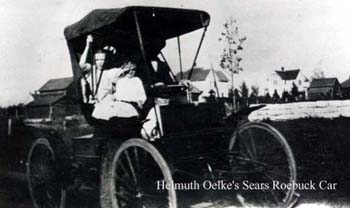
(283, 81)
(204, 80)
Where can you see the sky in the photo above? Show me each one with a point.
(295, 34)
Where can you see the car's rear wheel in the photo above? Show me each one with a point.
(262, 163)
(42, 173)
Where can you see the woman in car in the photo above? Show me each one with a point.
(126, 98)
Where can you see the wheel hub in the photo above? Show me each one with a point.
(139, 195)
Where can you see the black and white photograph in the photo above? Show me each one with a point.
(174, 104)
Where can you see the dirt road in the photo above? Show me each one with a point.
(321, 149)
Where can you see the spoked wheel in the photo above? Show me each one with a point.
(139, 174)
(44, 187)
(262, 163)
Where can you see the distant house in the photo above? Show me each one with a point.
(345, 89)
(282, 80)
(324, 88)
(55, 99)
(204, 80)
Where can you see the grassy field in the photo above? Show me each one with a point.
(322, 151)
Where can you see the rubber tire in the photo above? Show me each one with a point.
(46, 143)
(281, 139)
(108, 165)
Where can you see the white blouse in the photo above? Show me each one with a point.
(130, 89)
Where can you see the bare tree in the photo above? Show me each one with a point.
(230, 60)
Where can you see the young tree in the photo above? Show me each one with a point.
(255, 90)
(253, 97)
(294, 92)
(276, 97)
(267, 97)
(237, 99)
(244, 90)
(285, 97)
(230, 93)
(236, 94)
(244, 93)
(230, 61)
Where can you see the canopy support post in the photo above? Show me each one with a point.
(180, 61)
(196, 56)
(139, 35)
(91, 54)
(166, 62)
(215, 82)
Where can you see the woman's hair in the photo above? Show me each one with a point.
(101, 51)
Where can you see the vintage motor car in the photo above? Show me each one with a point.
(233, 161)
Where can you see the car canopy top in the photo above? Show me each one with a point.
(143, 30)
(169, 22)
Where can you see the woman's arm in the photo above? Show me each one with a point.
(141, 94)
(117, 73)
(82, 63)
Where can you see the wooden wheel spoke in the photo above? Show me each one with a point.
(276, 164)
(261, 154)
(122, 199)
(131, 166)
(268, 177)
(252, 142)
(244, 150)
(122, 184)
(276, 173)
(139, 169)
(274, 197)
(143, 165)
(265, 195)
(250, 160)
(122, 195)
(242, 146)
(278, 202)
(126, 199)
(51, 198)
(46, 197)
(44, 188)
(121, 165)
(125, 171)
(137, 160)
